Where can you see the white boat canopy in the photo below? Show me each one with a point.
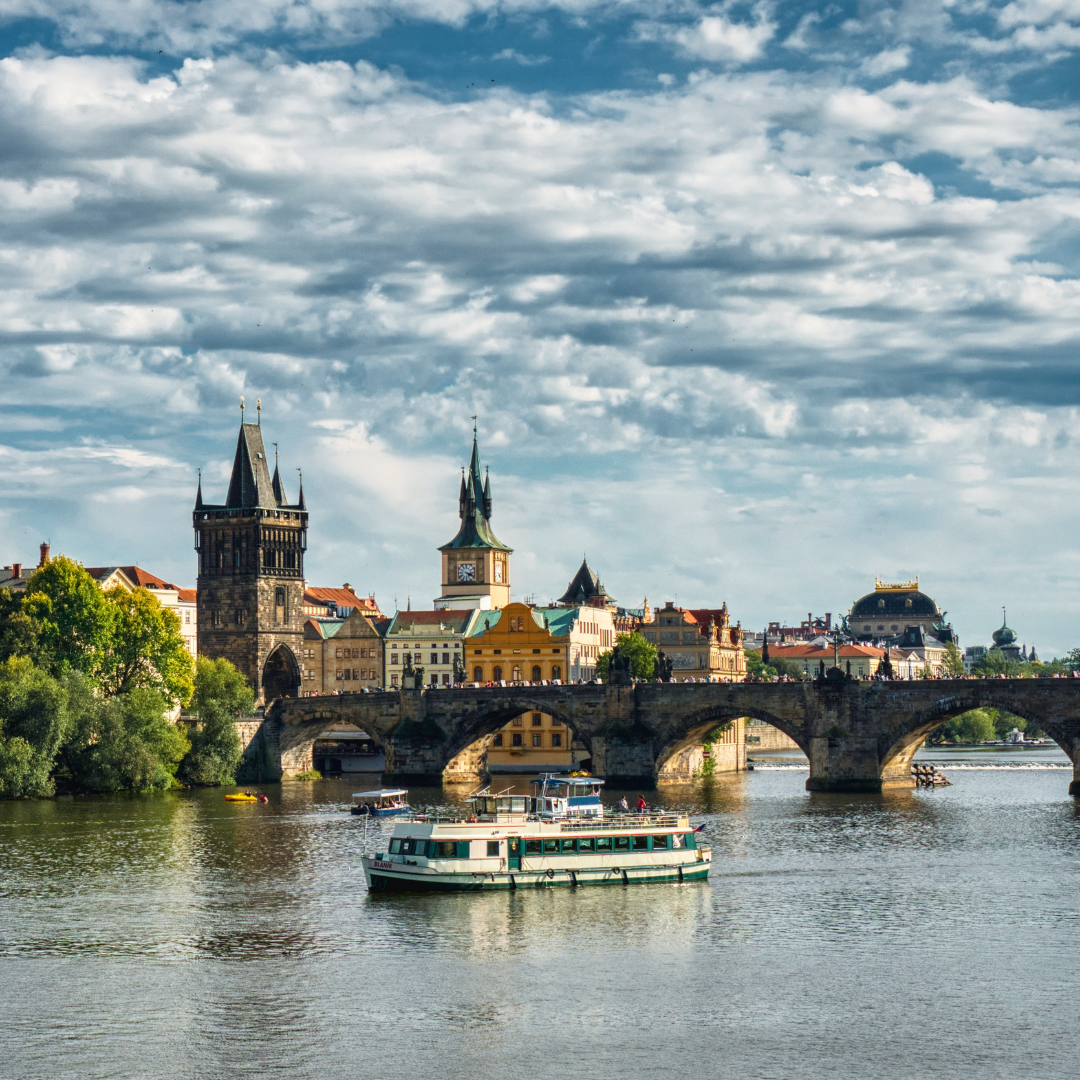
(570, 781)
(386, 793)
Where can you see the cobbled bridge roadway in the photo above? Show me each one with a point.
(859, 736)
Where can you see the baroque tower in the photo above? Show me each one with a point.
(251, 572)
(475, 564)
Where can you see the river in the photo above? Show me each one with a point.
(927, 933)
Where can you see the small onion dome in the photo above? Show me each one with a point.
(1004, 636)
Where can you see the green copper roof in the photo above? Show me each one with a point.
(474, 508)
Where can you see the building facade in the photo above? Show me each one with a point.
(514, 645)
(475, 564)
(341, 655)
(589, 632)
(701, 643)
(533, 742)
(886, 613)
(251, 572)
(331, 603)
(815, 658)
(434, 640)
(181, 602)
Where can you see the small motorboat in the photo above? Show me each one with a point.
(381, 803)
(245, 796)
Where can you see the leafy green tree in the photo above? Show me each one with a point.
(34, 721)
(68, 608)
(642, 656)
(122, 743)
(222, 694)
(144, 648)
(976, 726)
(995, 662)
(954, 662)
(18, 631)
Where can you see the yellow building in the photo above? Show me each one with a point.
(701, 643)
(514, 645)
(531, 743)
(475, 564)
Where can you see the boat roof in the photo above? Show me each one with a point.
(571, 781)
(383, 793)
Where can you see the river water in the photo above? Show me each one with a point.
(929, 933)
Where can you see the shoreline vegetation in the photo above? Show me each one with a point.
(91, 682)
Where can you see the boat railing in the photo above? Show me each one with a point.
(611, 822)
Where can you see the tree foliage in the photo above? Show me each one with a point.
(642, 656)
(67, 608)
(756, 667)
(34, 721)
(222, 694)
(954, 662)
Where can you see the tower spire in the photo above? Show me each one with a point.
(198, 494)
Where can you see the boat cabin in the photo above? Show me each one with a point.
(381, 803)
(568, 796)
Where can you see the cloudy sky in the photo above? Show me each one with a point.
(753, 301)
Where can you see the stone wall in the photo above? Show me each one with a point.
(761, 736)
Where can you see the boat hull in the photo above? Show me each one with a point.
(390, 879)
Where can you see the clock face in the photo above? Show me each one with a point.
(466, 571)
(498, 571)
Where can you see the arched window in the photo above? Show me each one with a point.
(478, 674)
(515, 675)
(496, 674)
(537, 674)
(556, 671)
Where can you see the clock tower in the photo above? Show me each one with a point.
(475, 564)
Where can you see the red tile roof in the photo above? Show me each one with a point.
(317, 595)
(822, 652)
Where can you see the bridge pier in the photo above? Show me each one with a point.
(848, 763)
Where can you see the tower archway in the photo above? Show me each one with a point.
(280, 674)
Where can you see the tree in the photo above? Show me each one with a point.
(976, 726)
(221, 695)
(642, 656)
(144, 648)
(995, 662)
(121, 743)
(34, 721)
(68, 608)
(18, 631)
(954, 662)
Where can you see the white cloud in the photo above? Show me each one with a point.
(887, 61)
(715, 37)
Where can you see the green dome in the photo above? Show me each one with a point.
(1004, 636)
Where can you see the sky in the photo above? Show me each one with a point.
(752, 302)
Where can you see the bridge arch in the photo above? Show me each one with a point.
(673, 756)
(898, 748)
(280, 674)
(473, 734)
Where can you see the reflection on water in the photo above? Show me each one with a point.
(916, 932)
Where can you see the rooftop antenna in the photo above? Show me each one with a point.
(258, 409)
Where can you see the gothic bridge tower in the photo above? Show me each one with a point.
(251, 572)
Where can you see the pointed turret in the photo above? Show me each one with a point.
(463, 498)
(474, 508)
(300, 504)
(279, 490)
(250, 484)
(487, 493)
(198, 494)
(585, 588)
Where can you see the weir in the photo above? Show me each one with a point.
(858, 736)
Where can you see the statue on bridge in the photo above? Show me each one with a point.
(663, 667)
(412, 678)
(885, 668)
(459, 670)
(620, 670)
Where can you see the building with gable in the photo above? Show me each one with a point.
(586, 590)
(701, 643)
(340, 655)
(475, 564)
(329, 603)
(251, 572)
(434, 640)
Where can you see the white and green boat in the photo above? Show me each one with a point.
(561, 836)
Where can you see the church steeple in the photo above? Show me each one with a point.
(474, 509)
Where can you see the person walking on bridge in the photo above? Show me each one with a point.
(641, 804)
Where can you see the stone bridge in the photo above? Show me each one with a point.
(859, 736)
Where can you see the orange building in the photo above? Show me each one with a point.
(514, 645)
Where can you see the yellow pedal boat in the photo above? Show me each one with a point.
(241, 798)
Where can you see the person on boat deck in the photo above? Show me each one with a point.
(624, 806)
(641, 804)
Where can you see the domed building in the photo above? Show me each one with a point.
(892, 609)
(1005, 640)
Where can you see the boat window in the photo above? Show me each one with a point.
(518, 805)
(463, 849)
(551, 845)
(641, 843)
(586, 843)
(622, 843)
(446, 849)
(395, 846)
(406, 847)
(659, 843)
(691, 840)
(493, 847)
(533, 847)
(678, 840)
(603, 843)
(568, 845)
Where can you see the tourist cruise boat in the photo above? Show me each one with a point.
(560, 836)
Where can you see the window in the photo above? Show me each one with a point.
(517, 739)
(395, 847)
(446, 849)
(478, 674)
(641, 843)
(537, 675)
(496, 674)
(434, 680)
(532, 847)
(678, 841)
(348, 675)
(538, 740)
(478, 652)
(556, 671)
(416, 658)
(622, 843)
(493, 848)
(393, 679)
(518, 721)
(556, 739)
(435, 658)
(445, 679)
(659, 843)
(556, 722)
(337, 674)
(569, 846)
(537, 719)
(587, 843)
(551, 847)
(337, 654)
(498, 740)
(393, 658)
(445, 658)
(515, 675)
(603, 843)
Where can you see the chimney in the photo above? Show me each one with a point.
(16, 570)
(44, 554)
